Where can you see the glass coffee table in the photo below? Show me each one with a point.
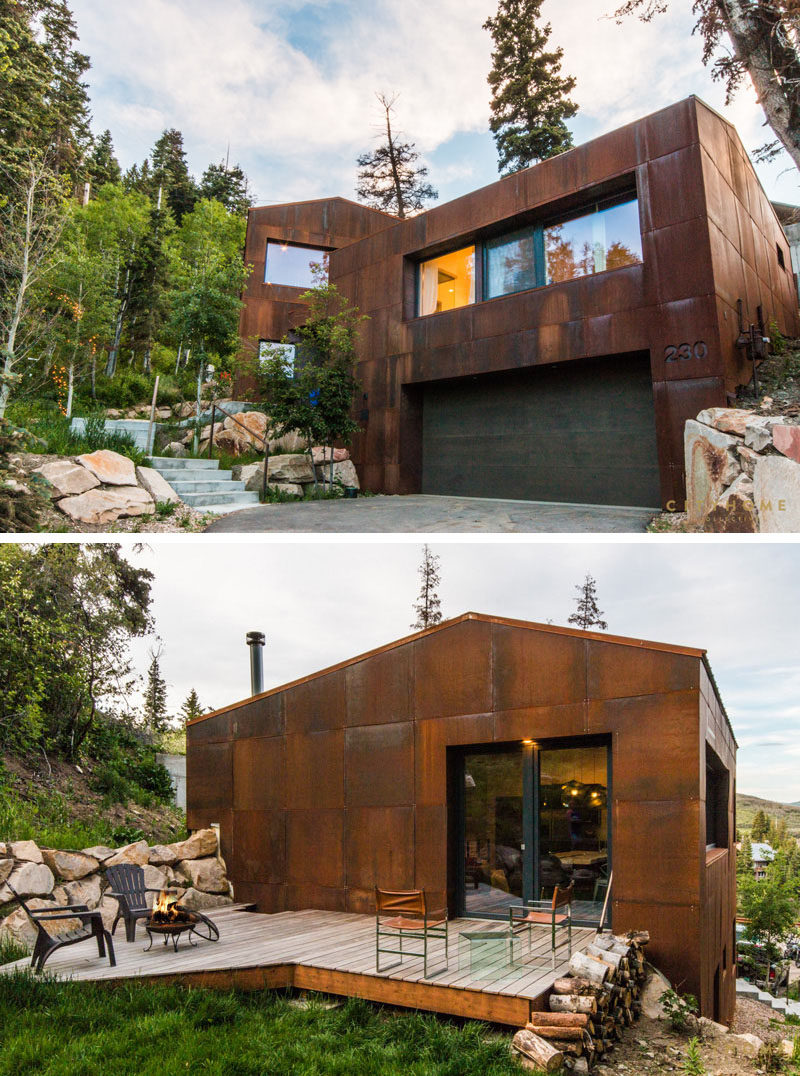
(483, 951)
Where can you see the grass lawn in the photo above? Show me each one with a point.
(80, 1029)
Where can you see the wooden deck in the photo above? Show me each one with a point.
(331, 952)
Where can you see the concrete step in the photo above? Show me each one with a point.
(201, 501)
(746, 990)
(197, 481)
(168, 463)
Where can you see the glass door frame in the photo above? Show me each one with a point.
(531, 773)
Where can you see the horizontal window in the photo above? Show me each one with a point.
(594, 242)
(447, 282)
(290, 264)
(511, 263)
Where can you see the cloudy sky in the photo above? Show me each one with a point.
(320, 603)
(291, 84)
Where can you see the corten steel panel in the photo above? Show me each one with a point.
(315, 848)
(213, 728)
(452, 671)
(317, 705)
(674, 191)
(258, 853)
(718, 956)
(430, 837)
(259, 773)
(432, 739)
(581, 433)
(656, 745)
(541, 722)
(675, 938)
(379, 763)
(380, 847)
(268, 899)
(315, 770)
(656, 854)
(262, 717)
(325, 898)
(209, 777)
(380, 691)
(536, 668)
(675, 403)
(616, 671)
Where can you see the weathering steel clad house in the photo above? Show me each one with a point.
(546, 337)
(486, 760)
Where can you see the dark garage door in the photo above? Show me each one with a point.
(580, 432)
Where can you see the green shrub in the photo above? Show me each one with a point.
(55, 432)
(693, 1062)
(680, 1008)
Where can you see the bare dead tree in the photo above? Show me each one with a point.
(764, 40)
(389, 178)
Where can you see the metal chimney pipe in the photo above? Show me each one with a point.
(256, 641)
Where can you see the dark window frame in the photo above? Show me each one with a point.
(718, 780)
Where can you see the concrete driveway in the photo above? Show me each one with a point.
(420, 513)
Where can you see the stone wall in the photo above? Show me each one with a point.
(743, 471)
(193, 868)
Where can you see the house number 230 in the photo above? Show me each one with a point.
(685, 352)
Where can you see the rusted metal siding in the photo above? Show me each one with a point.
(349, 787)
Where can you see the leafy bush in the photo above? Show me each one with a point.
(55, 432)
(680, 1008)
(693, 1062)
(130, 770)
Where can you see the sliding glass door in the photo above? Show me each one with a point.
(533, 817)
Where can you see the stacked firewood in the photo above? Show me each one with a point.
(589, 1007)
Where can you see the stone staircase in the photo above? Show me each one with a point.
(203, 486)
(749, 990)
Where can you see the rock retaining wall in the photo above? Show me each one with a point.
(743, 471)
(192, 867)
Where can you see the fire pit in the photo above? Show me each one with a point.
(170, 920)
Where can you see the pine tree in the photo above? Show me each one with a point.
(155, 700)
(428, 606)
(389, 178)
(781, 834)
(587, 615)
(760, 827)
(191, 707)
(171, 174)
(744, 858)
(226, 184)
(530, 98)
(102, 165)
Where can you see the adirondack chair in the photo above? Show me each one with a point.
(127, 886)
(47, 943)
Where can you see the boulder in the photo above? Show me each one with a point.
(32, 880)
(67, 478)
(749, 1045)
(138, 852)
(748, 459)
(6, 867)
(156, 485)
(69, 865)
(653, 989)
(176, 449)
(726, 419)
(200, 844)
(110, 468)
(113, 413)
(6, 896)
(323, 455)
(249, 473)
(186, 410)
(344, 472)
(735, 511)
(255, 423)
(207, 875)
(100, 852)
(234, 441)
(758, 432)
(19, 928)
(154, 878)
(26, 850)
(711, 1029)
(108, 911)
(711, 466)
(777, 494)
(162, 855)
(107, 505)
(194, 900)
(293, 488)
(291, 468)
(85, 891)
(163, 414)
(787, 440)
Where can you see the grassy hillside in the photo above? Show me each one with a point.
(746, 807)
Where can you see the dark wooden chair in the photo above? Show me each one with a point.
(554, 913)
(404, 914)
(47, 943)
(130, 892)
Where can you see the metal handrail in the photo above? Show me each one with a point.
(251, 433)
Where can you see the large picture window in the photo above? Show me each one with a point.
(592, 243)
(511, 263)
(290, 264)
(447, 282)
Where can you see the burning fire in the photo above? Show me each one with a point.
(165, 910)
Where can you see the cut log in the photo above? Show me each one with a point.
(610, 957)
(559, 1019)
(574, 1049)
(586, 966)
(638, 937)
(545, 1055)
(568, 1034)
(572, 984)
(572, 1003)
